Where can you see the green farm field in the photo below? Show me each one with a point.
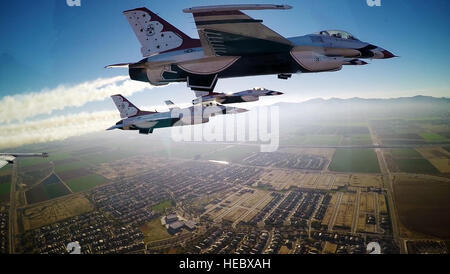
(50, 188)
(415, 166)
(433, 137)
(313, 139)
(405, 153)
(357, 139)
(85, 183)
(162, 206)
(70, 166)
(355, 160)
(411, 161)
(5, 188)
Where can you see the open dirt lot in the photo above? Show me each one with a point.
(345, 211)
(423, 205)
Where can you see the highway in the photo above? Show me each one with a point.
(373, 146)
(388, 181)
(12, 209)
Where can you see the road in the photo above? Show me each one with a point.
(356, 212)
(275, 207)
(377, 214)
(375, 145)
(267, 197)
(12, 209)
(335, 212)
(388, 181)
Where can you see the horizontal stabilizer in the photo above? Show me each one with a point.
(171, 105)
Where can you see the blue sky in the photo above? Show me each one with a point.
(47, 43)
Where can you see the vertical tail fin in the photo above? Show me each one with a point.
(125, 107)
(155, 34)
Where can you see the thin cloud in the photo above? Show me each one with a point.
(23, 106)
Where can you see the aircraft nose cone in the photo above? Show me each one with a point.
(275, 93)
(387, 54)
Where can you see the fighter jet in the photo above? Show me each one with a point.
(8, 158)
(249, 95)
(147, 121)
(233, 44)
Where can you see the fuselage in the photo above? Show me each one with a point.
(198, 114)
(324, 51)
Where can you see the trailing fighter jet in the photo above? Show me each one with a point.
(233, 44)
(249, 95)
(147, 121)
(8, 158)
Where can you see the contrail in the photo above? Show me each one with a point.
(55, 128)
(22, 106)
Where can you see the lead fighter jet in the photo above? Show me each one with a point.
(232, 44)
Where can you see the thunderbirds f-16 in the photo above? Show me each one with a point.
(147, 121)
(249, 95)
(8, 158)
(233, 44)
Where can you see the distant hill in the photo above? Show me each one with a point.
(417, 107)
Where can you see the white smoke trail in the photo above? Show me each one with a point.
(22, 106)
(55, 128)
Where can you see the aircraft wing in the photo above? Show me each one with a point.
(3, 163)
(227, 31)
(5, 159)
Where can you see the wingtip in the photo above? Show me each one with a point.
(120, 65)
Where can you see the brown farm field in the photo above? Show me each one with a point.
(438, 157)
(53, 211)
(423, 205)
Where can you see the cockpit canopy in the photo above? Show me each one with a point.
(338, 34)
